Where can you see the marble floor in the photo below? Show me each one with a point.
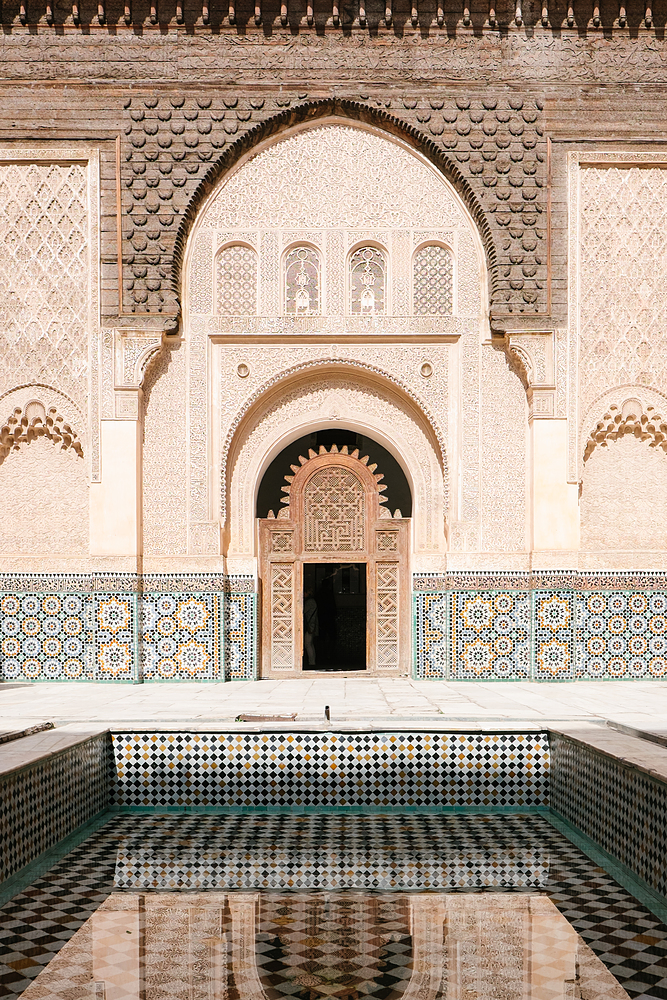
(415, 906)
(642, 704)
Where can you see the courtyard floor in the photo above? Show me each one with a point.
(640, 704)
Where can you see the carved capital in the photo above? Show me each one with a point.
(133, 349)
(535, 354)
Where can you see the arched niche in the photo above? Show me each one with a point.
(271, 487)
(334, 184)
(322, 397)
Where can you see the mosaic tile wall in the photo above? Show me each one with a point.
(331, 769)
(42, 804)
(559, 626)
(106, 627)
(620, 808)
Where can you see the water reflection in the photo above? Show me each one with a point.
(311, 945)
(330, 852)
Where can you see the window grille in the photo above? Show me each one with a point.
(368, 282)
(302, 282)
(433, 280)
(237, 281)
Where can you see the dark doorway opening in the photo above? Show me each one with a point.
(334, 612)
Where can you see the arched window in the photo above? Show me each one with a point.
(302, 282)
(368, 282)
(236, 272)
(433, 281)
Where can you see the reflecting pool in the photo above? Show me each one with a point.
(393, 907)
(311, 945)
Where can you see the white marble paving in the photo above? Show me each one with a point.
(641, 704)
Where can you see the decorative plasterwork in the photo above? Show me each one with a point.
(535, 353)
(308, 398)
(49, 314)
(628, 413)
(133, 349)
(617, 246)
(32, 421)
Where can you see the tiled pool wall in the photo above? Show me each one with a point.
(43, 803)
(467, 626)
(618, 807)
(401, 770)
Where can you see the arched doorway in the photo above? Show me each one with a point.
(333, 558)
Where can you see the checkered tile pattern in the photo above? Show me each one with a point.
(621, 809)
(326, 769)
(630, 941)
(43, 804)
(323, 851)
(112, 627)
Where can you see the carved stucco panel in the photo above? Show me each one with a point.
(165, 468)
(198, 423)
(624, 497)
(336, 176)
(49, 302)
(319, 400)
(58, 523)
(266, 365)
(503, 422)
(618, 248)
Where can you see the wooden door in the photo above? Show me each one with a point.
(334, 513)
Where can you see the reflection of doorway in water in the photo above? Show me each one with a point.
(340, 592)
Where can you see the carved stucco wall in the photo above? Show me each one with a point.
(49, 248)
(44, 497)
(618, 348)
(321, 398)
(164, 479)
(624, 496)
(618, 248)
(392, 196)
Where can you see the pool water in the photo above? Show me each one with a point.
(200, 907)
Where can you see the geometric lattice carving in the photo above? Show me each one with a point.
(334, 501)
(302, 282)
(237, 281)
(44, 275)
(35, 421)
(433, 272)
(387, 615)
(282, 616)
(368, 278)
(622, 253)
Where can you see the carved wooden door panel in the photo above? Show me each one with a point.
(334, 514)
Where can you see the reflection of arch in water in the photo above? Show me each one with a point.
(423, 925)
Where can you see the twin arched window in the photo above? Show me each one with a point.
(368, 268)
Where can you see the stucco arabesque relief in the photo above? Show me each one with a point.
(618, 317)
(49, 307)
(318, 393)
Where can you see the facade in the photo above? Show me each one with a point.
(361, 305)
